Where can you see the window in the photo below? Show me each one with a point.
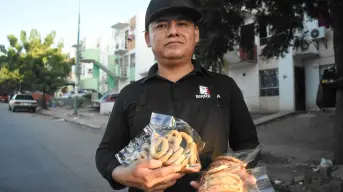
(132, 60)
(269, 82)
(247, 36)
(83, 68)
(90, 71)
(126, 38)
(24, 97)
(264, 31)
(124, 62)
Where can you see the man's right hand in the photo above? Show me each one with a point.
(147, 175)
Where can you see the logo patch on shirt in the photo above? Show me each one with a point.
(204, 92)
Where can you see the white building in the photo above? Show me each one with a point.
(285, 84)
(91, 77)
(133, 56)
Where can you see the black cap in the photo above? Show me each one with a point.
(157, 8)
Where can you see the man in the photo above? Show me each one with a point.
(177, 85)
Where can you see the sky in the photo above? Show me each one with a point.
(97, 17)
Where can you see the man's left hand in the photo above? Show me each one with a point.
(192, 169)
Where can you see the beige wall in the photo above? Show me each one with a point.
(247, 80)
(269, 104)
(132, 43)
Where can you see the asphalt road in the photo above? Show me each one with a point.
(39, 154)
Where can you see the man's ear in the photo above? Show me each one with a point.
(196, 34)
(147, 38)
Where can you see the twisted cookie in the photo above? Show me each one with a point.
(168, 149)
(174, 138)
(166, 156)
(142, 154)
(193, 159)
(159, 147)
(186, 137)
(175, 156)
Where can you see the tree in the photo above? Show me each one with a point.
(37, 64)
(222, 20)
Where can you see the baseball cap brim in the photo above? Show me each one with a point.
(190, 13)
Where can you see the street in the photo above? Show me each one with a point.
(42, 154)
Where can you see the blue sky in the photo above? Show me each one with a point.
(61, 15)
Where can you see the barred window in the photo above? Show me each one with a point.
(269, 82)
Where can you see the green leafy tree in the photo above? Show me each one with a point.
(222, 20)
(36, 62)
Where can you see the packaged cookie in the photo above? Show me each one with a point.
(229, 173)
(166, 138)
(138, 148)
(175, 142)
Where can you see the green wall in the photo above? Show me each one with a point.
(111, 67)
(132, 74)
(91, 83)
(96, 71)
(93, 54)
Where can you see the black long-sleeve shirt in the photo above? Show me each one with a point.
(120, 129)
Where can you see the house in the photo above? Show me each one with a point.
(285, 84)
(132, 55)
(110, 66)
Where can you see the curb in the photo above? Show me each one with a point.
(257, 122)
(273, 117)
(69, 120)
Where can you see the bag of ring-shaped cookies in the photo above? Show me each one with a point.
(229, 173)
(166, 138)
(175, 142)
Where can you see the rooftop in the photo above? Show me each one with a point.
(120, 25)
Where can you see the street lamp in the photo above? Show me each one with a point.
(76, 89)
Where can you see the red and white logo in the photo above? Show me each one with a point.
(204, 92)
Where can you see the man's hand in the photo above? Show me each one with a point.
(192, 169)
(195, 184)
(147, 175)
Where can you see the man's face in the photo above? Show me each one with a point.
(172, 37)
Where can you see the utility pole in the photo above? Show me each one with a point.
(77, 64)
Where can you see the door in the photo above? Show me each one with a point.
(300, 88)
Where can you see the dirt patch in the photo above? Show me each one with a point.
(308, 136)
(292, 148)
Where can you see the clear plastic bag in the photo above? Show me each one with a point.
(228, 173)
(141, 148)
(175, 142)
(138, 148)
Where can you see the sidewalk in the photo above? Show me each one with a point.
(85, 117)
(93, 119)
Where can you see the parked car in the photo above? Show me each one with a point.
(22, 101)
(4, 98)
(72, 94)
(107, 97)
